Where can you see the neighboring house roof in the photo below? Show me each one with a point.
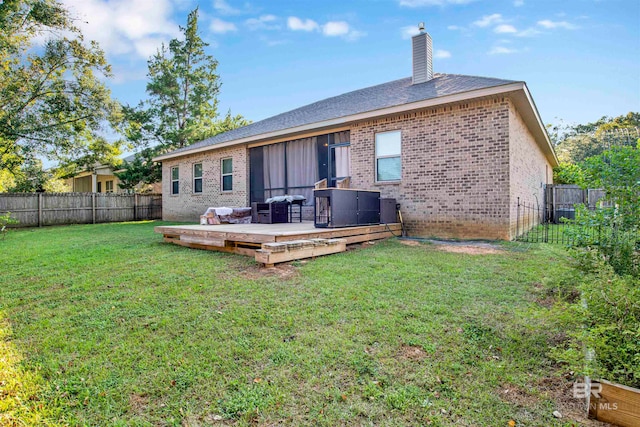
(130, 158)
(395, 96)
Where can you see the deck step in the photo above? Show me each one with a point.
(274, 253)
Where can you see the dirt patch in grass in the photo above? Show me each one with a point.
(138, 403)
(470, 250)
(409, 242)
(560, 390)
(412, 352)
(516, 395)
(283, 271)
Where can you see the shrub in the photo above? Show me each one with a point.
(610, 315)
(5, 221)
(568, 173)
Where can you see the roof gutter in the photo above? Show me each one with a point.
(449, 99)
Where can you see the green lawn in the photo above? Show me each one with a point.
(106, 325)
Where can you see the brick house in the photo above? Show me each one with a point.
(455, 151)
(100, 178)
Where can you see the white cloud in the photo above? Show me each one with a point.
(488, 20)
(501, 50)
(219, 26)
(518, 3)
(529, 32)
(264, 22)
(296, 24)
(420, 3)
(550, 25)
(505, 29)
(442, 54)
(224, 8)
(125, 27)
(271, 42)
(354, 35)
(148, 46)
(335, 28)
(329, 29)
(409, 31)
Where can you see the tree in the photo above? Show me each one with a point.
(182, 107)
(140, 170)
(52, 103)
(33, 178)
(574, 144)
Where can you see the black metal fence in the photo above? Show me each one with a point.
(552, 221)
(543, 224)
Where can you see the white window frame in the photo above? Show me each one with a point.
(223, 175)
(108, 186)
(198, 177)
(391, 156)
(177, 168)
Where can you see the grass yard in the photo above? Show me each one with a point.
(106, 325)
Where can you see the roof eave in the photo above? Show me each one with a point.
(528, 110)
(428, 103)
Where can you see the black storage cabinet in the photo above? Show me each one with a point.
(341, 207)
(388, 211)
(270, 213)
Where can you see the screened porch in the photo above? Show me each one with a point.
(293, 167)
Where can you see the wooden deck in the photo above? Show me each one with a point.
(273, 243)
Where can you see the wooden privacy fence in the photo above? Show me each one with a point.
(38, 209)
(560, 200)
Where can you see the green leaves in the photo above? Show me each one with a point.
(183, 88)
(52, 103)
(182, 108)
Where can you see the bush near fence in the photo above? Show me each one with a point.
(39, 209)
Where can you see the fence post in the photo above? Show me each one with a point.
(93, 207)
(553, 203)
(40, 209)
(518, 220)
(135, 206)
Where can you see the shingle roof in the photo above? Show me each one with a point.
(394, 93)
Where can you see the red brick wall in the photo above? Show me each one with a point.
(529, 171)
(463, 166)
(455, 168)
(187, 205)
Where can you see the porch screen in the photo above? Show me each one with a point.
(273, 170)
(302, 167)
(293, 167)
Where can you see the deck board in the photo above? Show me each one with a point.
(245, 238)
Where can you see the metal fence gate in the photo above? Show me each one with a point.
(549, 222)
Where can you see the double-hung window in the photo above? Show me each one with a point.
(388, 159)
(197, 178)
(108, 186)
(175, 180)
(227, 174)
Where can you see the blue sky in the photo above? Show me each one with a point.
(580, 58)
